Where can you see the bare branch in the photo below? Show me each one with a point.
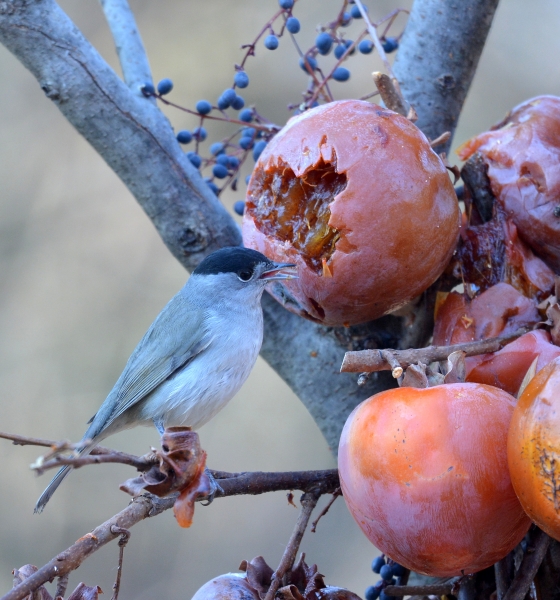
(538, 545)
(376, 360)
(441, 589)
(132, 56)
(437, 58)
(308, 503)
(142, 507)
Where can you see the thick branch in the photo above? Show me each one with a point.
(376, 360)
(438, 56)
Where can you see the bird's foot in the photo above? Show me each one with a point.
(214, 488)
(158, 422)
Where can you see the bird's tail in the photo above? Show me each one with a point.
(59, 478)
(51, 488)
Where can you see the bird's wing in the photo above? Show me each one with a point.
(174, 338)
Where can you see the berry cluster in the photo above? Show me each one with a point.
(391, 574)
(222, 163)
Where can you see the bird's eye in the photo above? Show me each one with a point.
(245, 274)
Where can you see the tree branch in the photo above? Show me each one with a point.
(145, 506)
(437, 59)
(378, 360)
(132, 56)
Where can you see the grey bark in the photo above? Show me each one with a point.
(138, 143)
(438, 56)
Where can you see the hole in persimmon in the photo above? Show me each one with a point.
(296, 209)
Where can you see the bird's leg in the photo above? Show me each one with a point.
(158, 422)
(214, 488)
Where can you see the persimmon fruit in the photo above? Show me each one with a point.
(354, 195)
(534, 449)
(424, 473)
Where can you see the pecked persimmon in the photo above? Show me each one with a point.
(507, 367)
(424, 474)
(534, 449)
(356, 197)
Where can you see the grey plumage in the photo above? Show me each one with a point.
(195, 355)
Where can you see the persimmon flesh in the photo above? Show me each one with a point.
(534, 449)
(424, 474)
(354, 195)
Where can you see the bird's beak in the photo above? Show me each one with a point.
(277, 272)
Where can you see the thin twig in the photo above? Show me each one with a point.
(142, 463)
(537, 547)
(379, 47)
(374, 360)
(441, 589)
(504, 571)
(336, 494)
(132, 55)
(125, 536)
(308, 503)
(61, 586)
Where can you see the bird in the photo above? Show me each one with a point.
(194, 357)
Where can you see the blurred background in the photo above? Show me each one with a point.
(83, 274)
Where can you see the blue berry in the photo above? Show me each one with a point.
(247, 179)
(258, 149)
(341, 74)
(148, 89)
(346, 19)
(184, 136)
(223, 160)
(339, 51)
(386, 572)
(246, 115)
(249, 132)
(286, 4)
(355, 12)
(309, 60)
(377, 563)
(238, 103)
(203, 107)
(246, 143)
(348, 43)
(200, 134)
(226, 99)
(241, 79)
(397, 570)
(212, 186)
(372, 593)
(233, 162)
(390, 44)
(365, 46)
(164, 86)
(271, 42)
(293, 25)
(217, 148)
(220, 171)
(195, 159)
(239, 207)
(324, 43)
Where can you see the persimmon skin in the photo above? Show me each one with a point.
(534, 449)
(424, 474)
(506, 368)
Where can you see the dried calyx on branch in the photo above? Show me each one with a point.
(303, 582)
(82, 591)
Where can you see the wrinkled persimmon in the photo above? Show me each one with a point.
(424, 474)
(522, 154)
(356, 197)
(534, 449)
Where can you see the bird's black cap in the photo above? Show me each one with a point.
(230, 260)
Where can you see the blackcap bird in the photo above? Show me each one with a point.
(196, 354)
